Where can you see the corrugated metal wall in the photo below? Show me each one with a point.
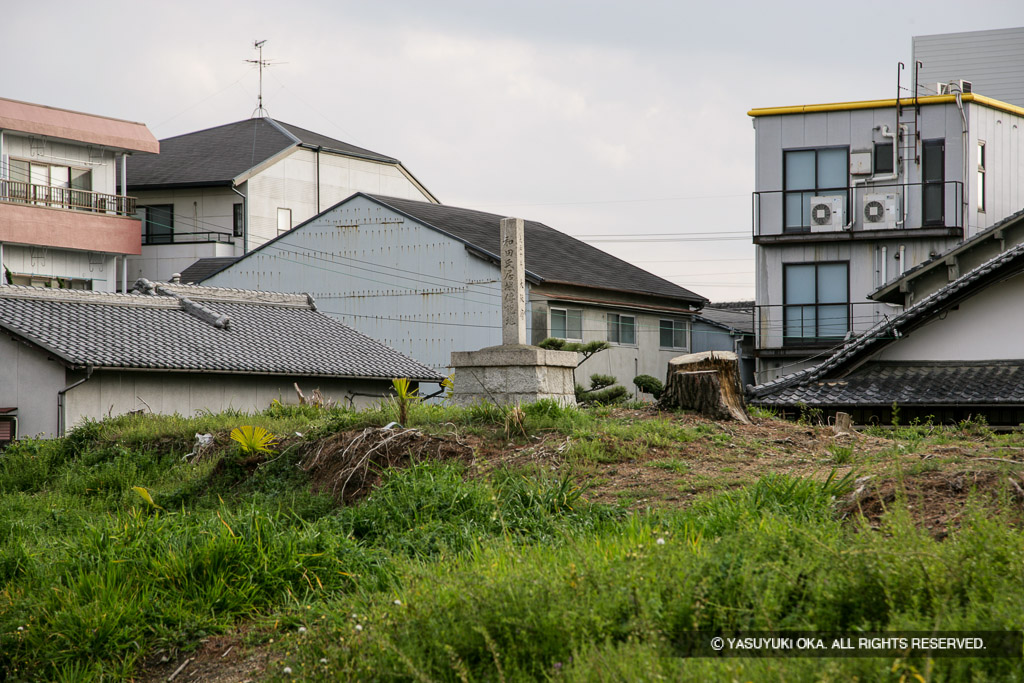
(992, 60)
(387, 276)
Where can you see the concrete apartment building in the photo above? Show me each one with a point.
(63, 221)
(849, 196)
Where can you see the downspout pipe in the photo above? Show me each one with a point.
(245, 219)
(318, 148)
(963, 135)
(61, 416)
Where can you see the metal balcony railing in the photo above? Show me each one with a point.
(815, 325)
(65, 198)
(858, 208)
(176, 237)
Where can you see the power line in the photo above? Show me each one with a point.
(615, 201)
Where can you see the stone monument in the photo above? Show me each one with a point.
(513, 372)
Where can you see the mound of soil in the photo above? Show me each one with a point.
(935, 500)
(348, 464)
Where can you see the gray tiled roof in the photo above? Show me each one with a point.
(888, 331)
(205, 267)
(940, 260)
(734, 316)
(550, 254)
(217, 155)
(268, 333)
(911, 384)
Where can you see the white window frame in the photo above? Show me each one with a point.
(981, 176)
(286, 214)
(618, 330)
(565, 310)
(687, 329)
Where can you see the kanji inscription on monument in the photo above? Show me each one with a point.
(513, 282)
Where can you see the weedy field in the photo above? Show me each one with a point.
(538, 543)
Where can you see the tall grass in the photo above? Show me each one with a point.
(612, 605)
(452, 576)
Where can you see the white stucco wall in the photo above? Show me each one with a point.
(622, 361)
(988, 326)
(159, 262)
(115, 393)
(46, 264)
(291, 183)
(30, 382)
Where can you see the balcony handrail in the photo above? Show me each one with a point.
(774, 323)
(65, 198)
(900, 189)
(175, 237)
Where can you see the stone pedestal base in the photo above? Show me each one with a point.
(507, 375)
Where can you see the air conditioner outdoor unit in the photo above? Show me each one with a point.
(953, 87)
(827, 213)
(879, 211)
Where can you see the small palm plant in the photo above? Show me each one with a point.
(254, 439)
(404, 395)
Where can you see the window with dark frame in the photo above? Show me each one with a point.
(622, 329)
(816, 300)
(673, 334)
(933, 195)
(238, 220)
(883, 158)
(567, 323)
(158, 224)
(806, 173)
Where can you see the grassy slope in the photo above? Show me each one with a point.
(509, 575)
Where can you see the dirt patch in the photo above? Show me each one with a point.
(348, 465)
(935, 500)
(219, 659)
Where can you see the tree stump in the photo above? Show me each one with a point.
(843, 424)
(707, 382)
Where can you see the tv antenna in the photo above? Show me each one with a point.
(261, 63)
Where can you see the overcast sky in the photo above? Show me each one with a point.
(614, 119)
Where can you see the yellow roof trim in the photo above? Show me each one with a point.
(881, 104)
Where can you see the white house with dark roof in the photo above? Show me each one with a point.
(223, 191)
(68, 355)
(956, 351)
(425, 279)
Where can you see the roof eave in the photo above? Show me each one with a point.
(696, 299)
(262, 373)
(153, 187)
(882, 104)
(263, 165)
